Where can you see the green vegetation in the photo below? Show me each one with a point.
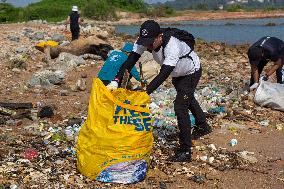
(202, 6)
(57, 10)
(160, 11)
(234, 8)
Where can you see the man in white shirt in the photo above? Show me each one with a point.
(173, 50)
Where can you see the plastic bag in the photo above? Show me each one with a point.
(118, 129)
(125, 172)
(270, 95)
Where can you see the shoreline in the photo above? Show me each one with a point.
(199, 16)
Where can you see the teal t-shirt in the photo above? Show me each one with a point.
(113, 64)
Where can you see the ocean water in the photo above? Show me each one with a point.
(231, 31)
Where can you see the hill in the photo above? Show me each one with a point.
(220, 4)
(57, 10)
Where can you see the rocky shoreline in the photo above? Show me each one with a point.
(39, 152)
(130, 18)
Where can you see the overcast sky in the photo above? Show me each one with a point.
(26, 2)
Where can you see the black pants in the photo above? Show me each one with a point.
(185, 100)
(279, 72)
(75, 32)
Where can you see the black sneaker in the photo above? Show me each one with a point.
(181, 156)
(200, 132)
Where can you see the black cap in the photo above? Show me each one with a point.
(149, 30)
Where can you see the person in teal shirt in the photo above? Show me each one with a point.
(114, 62)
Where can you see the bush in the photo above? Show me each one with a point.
(129, 5)
(8, 13)
(234, 8)
(160, 11)
(202, 6)
(99, 10)
(58, 10)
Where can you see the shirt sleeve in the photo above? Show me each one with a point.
(134, 72)
(274, 57)
(139, 49)
(172, 53)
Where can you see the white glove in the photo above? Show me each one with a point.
(254, 86)
(112, 86)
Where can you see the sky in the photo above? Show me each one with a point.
(20, 3)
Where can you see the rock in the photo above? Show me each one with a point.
(247, 156)
(58, 37)
(163, 185)
(81, 84)
(13, 38)
(198, 179)
(64, 43)
(46, 78)
(103, 35)
(64, 93)
(67, 61)
(18, 61)
(84, 75)
(37, 36)
(91, 56)
(21, 50)
(16, 70)
(27, 32)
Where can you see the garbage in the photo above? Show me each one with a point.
(279, 127)
(233, 142)
(125, 172)
(217, 110)
(203, 158)
(55, 139)
(264, 123)
(125, 132)
(30, 154)
(211, 159)
(212, 147)
(192, 120)
(46, 111)
(198, 179)
(266, 91)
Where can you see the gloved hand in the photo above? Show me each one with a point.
(264, 77)
(254, 86)
(112, 85)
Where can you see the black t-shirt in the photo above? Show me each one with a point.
(273, 48)
(74, 19)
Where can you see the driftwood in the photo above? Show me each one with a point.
(15, 105)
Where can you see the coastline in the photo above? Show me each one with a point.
(131, 18)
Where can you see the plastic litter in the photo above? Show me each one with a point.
(217, 110)
(125, 173)
(264, 123)
(233, 142)
(198, 179)
(30, 154)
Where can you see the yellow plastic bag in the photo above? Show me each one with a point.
(40, 46)
(47, 43)
(118, 129)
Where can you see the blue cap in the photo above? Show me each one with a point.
(128, 46)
